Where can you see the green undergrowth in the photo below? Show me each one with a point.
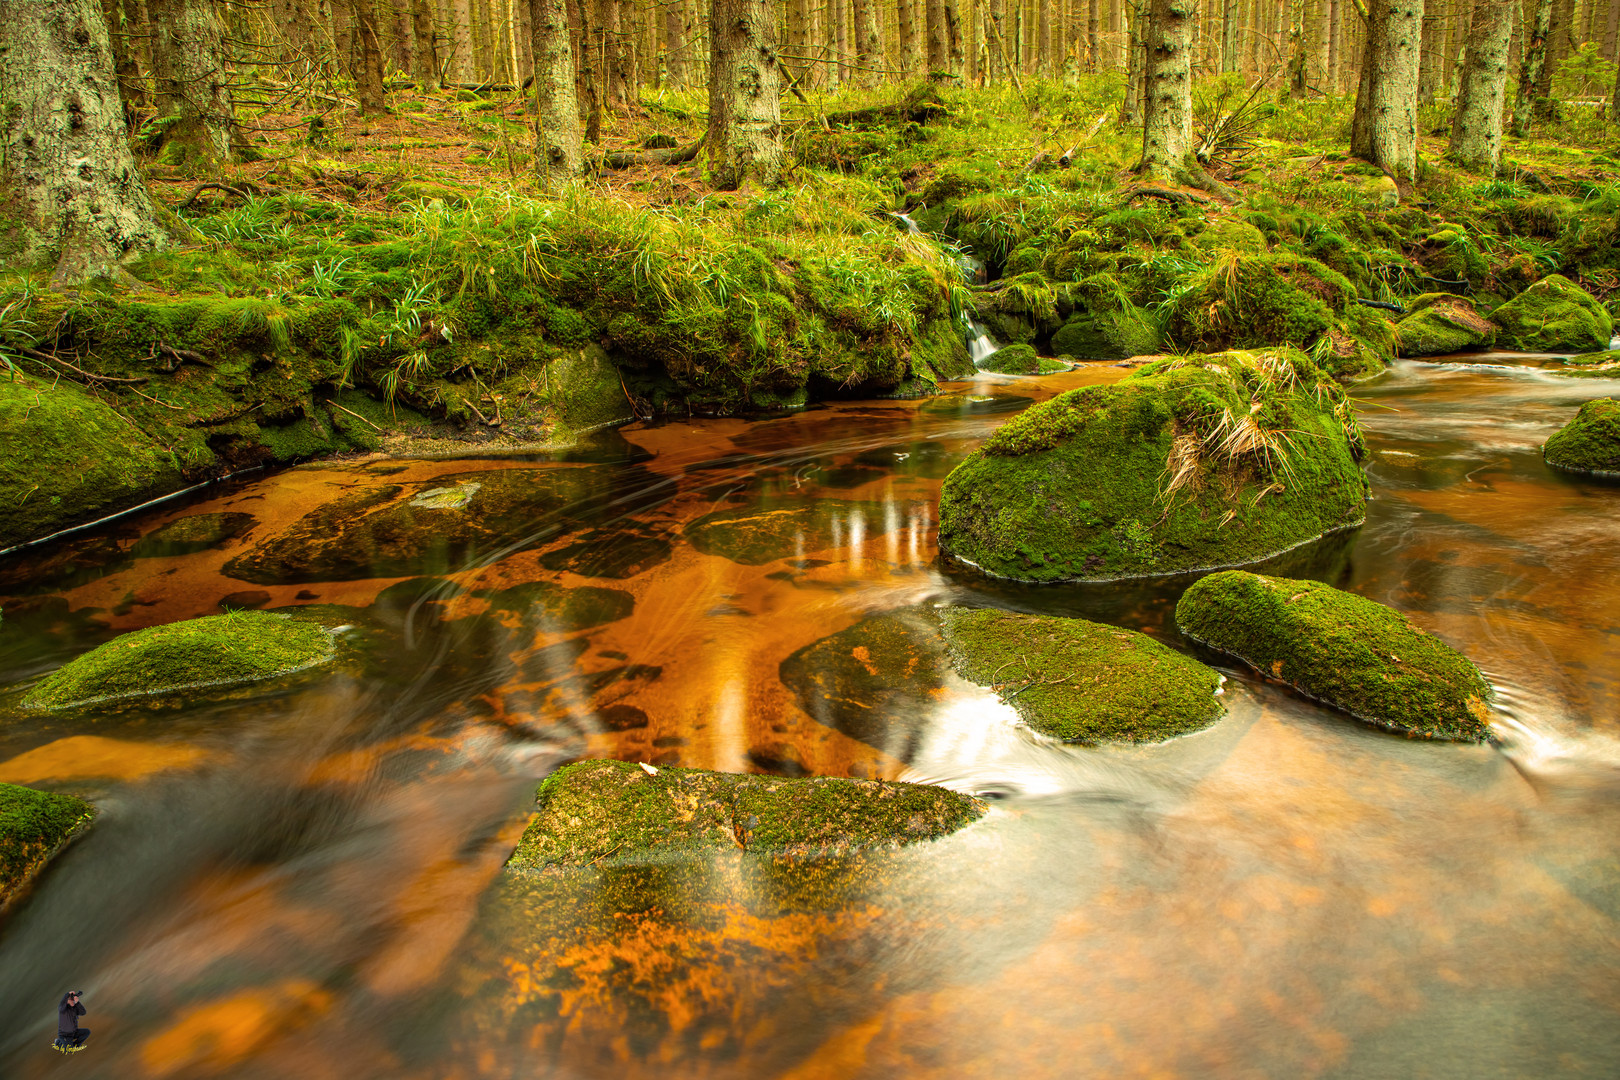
(33, 826)
(1342, 649)
(611, 812)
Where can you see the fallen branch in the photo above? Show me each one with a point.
(625, 159)
(352, 413)
(1169, 195)
(213, 185)
(52, 359)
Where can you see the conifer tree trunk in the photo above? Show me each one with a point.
(1229, 36)
(559, 156)
(840, 29)
(745, 120)
(1333, 46)
(1091, 35)
(868, 53)
(592, 54)
(401, 42)
(425, 55)
(1130, 112)
(954, 35)
(130, 87)
(1556, 48)
(1384, 127)
(1167, 116)
(675, 41)
(71, 200)
(906, 30)
(1476, 131)
(367, 70)
(939, 49)
(460, 41)
(615, 56)
(1536, 23)
(1296, 50)
(188, 74)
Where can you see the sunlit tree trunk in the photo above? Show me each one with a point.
(1091, 35)
(461, 69)
(840, 29)
(934, 32)
(906, 32)
(1476, 131)
(367, 69)
(425, 54)
(1130, 112)
(1167, 116)
(955, 36)
(868, 53)
(745, 121)
(1296, 50)
(559, 157)
(1384, 127)
(1229, 36)
(675, 41)
(1334, 37)
(1536, 21)
(71, 200)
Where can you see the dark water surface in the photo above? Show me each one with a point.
(303, 879)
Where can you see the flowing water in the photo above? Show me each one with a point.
(303, 879)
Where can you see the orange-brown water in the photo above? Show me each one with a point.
(306, 880)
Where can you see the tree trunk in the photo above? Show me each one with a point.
(1229, 36)
(1333, 39)
(952, 13)
(1611, 36)
(1130, 112)
(840, 29)
(1535, 56)
(1556, 48)
(745, 120)
(614, 56)
(128, 72)
(906, 31)
(1384, 127)
(939, 49)
(868, 54)
(461, 41)
(675, 40)
(401, 42)
(71, 200)
(1167, 118)
(1091, 35)
(188, 74)
(559, 155)
(1429, 53)
(425, 56)
(1296, 50)
(1476, 131)
(592, 54)
(367, 71)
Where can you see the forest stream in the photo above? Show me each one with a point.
(305, 878)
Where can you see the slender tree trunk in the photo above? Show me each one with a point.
(461, 41)
(1429, 53)
(188, 73)
(1476, 131)
(1537, 21)
(614, 56)
(367, 70)
(1092, 46)
(951, 12)
(1130, 112)
(675, 40)
(939, 50)
(868, 54)
(906, 32)
(1384, 127)
(401, 42)
(425, 56)
(1167, 119)
(840, 25)
(592, 59)
(1332, 77)
(1557, 48)
(71, 200)
(1611, 34)
(1229, 36)
(559, 156)
(745, 122)
(1296, 50)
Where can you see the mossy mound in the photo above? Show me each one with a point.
(1554, 315)
(1344, 650)
(1438, 323)
(33, 826)
(1189, 463)
(67, 458)
(1105, 324)
(595, 812)
(765, 530)
(234, 648)
(1082, 681)
(1231, 234)
(1259, 301)
(1590, 443)
(1013, 360)
(1596, 365)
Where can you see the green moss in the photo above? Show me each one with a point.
(613, 812)
(1232, 234)
(1438, 323)
(33, 827)
(1082, 681)
(1590, 443)
(1597, 365)
(1053, 493)
(222, 649)
(1554, 315)
(1257, 301)
(1342, 649)
(1013, 360)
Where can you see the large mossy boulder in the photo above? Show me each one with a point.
(617, 811)
(1259, 301)
(1341, 649)
(1188, 463)
(1081, 681)
(33, 827)
(238, 647)
(1013, 360)
(1554, 315)
(1590, 443)
(1105, 324)
(1437, 323)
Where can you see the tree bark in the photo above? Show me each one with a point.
(425, 56)
(1296, 50)
(188, 74)
(1130, 112)
(906, 31)
(1429, 53)
(71, 200)
(614, 56)
(1384, 127)
(1334, 36)
(591, 62)
(1535, 57)
(1476, 131)
(1556, 49)
(367, 69)
(559, 156)
(1167, 118)
(745, 120)
(1229, 36)
(868, 53)
(939, 49)
(461, 58)
(675, 40)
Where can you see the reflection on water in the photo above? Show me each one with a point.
(306, 880)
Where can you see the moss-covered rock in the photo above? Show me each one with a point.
(1590, 443)
(1013, 360)
(1259, 301)
(67, 458)
(610, 812)
(1438, 323)
(553, 607)
(1554, 315)
(1082, 681)
(1231, 234)
(192, 533)
(33, 826)
(238, 647)
(1191, 462)
(1595, 365)
(1342, 649)
(1105, 324)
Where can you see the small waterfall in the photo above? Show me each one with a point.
(1614, 342)
(911, 226)
(980, 344)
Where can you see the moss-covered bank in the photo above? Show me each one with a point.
(33, 826)
(1342, 649)
(238, 647)
(1190, 462)
(1082, 681)
(617, 811)
(1590, 443)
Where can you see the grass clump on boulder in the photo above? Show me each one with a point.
(1554, 315)
(238, 647)
(1341, 649)
(617, 811)
(1438, 323)
(1189, 463)
(1082, 681)
(1590, 443)
(33, 827)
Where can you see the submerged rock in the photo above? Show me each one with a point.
(1082, 681)
(191, 534)
(1590, 443)
(551, 607)
(1012, 360)
(1439, 323)
(1188, 463)
(616, 811)
(239, 647)
(1344, 650)
(33, 827)
(767, 529)
(1554, 315)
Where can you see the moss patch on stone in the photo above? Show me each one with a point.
(611, 812)
(1554, 315)
(1082, 681)
(237, 647)
(1595, 365)
(1438, 323)
(553, 607)
(33, 827)
(1590, 443)
(191, 534)
(1344, 650)
(1189, 463)
(1013, 360)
